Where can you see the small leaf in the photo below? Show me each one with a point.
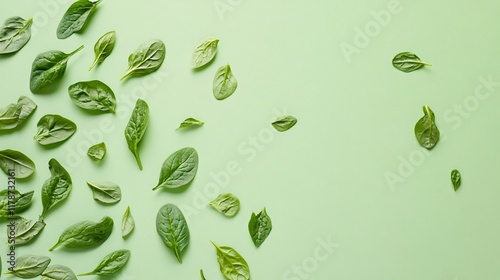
(14, 115)
(204, 53)
(456, 179)
(97, 151)
(260, 227)
(111, 263)
(178, 169)
(85, 234)
(227, 204)
(146, 59)
(128, 223)
(54, 129)
(93, 95)
(426, 131)
(103, 48)
(11, 160)
(136, 128)
(56, 188)
(105, 192)
(232, 265)
(189, 122)
(14, 34)
(408, 62)
(173, 229)
(29, 266)
(224, 83)
(58, 272)
(76, 17)
(284, 123)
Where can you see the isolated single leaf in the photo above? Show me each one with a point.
(26, 230)
(103, 48)
(224, 83)
(260, 227)
(29, 266)
(54, 129)
(408, 62)
(13, 202)
(93, 95)
(14, 115)
(14, 34)
(75, 18)
(86, 234)
(426, 131)
(111, 263)
(22, 165)
(204, 53)
(178, 169)
(97, 151)
(146, 59)
(232, 265)
(58, 272)
(173, 229)
(284, 123)
(105, 192)
(456, 179)
(136, 128)
(227, 204)
(190, 122)
(56, 188)
(128, 223)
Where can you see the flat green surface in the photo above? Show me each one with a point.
(328, 63)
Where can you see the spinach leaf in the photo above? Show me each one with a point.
(136, 128)
(173, 229)
(97, 151)
(106, 192)
(224, 83)
(426, 130)
(227, 204)
(76, 17)
(260, 227)
(284, 123)
(456, 179)
(26, 230)
(56, 188)
(29, 266)
(189, 122)
(14, 34)
(146, 59)
(14, 115)
(128, 223)
(93, 95)
(408, 62)
(54, 129)
(178, 169)
(86, 234)
(49, 67)
(12, 202)
(232, 265)
(204, 53)
(11, 159)
(103, 47)
(111, 263)
(58, 272)
(202, 275)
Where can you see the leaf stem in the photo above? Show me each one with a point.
(75, 51)
(138, 159)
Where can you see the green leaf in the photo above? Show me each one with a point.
(111, 263)
(260, 227)
(136, 128)
(85, 234)
(49, 67)
(103, 48)
(284, 123)
(22, 165)
(75, 17)
(224, 83)
(189, 122)
(14, 34)
(14, 115)
(128, 223)
(146, 59)
(54, 129)
(456, 179)
(204, 53)
(232, 265)
(227, 204)
(58, 272)
(105, 192)
(97, 151)
(29, 266)
(178, 169)
(426, 131)
(408, 62)
(93, 95)
(12, 202)
(173, 229)
(26, 230)
(56, 188)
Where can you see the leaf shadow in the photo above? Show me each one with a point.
(7, 55)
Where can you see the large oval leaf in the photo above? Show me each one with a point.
(105, 192)
(21, 165)
(178, 169)
(146, 59)
(30, 266)
(426, 131)
(173, 229)
(14, 115)
(93, 95)
(54, 129)
(103, 47)
(14, 34)
(76, 17)
(56, 188)
(232, 265)
(111, 263)
(86, 234)
(204, 53)
(58, 272)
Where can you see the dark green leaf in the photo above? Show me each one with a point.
(456, 179)
(178, 169)
(173, 229)
(136, 128)
(103, 47)
(93, 95)
(227, 204)
(58, 272)
(49, 67)
(14, 115)
(22, 165)
(29, 266)
(189, 122)
(146, 59)
(408, 62)
(14, 34)
(75, 17)
(97, 152)
(284, 123)
(111, 263)
(232, 265)
(105, 192)
(54, 129)
(224, 83)
(86, 234)
(204, 53)
(128, 223)
(260, 227)
(12, 202)
(56, 188)
(426, 130)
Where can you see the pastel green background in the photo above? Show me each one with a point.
(350, 173)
